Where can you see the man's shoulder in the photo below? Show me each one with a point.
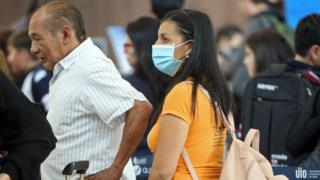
(96, 61)
(96, 67)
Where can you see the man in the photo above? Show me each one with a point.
(229, 41)
(24, 66)
(303, 140)
(26, 136)
(89, 101)
(307, 45)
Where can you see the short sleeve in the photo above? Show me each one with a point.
(178, 102)
(108, 94)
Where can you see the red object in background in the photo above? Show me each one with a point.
(126, 46)
(312, 77)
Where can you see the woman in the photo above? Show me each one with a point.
(263, 105)
(142, 33)
(265, 48)
(26, 70)
(4, 66)
(185, 49)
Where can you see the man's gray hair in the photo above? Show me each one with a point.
(61, 13)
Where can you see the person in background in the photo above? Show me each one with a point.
(22, 23)
(229, 41)
(265, 48)
(142, 34)
(160, 7)
(230, 51)
(4, 36)
(307, 45)
(25, 66)
(263, 14)
(303, 140)
(95, 114)
(26, 136)
(186, 50)
(266, 14)
(4, 66)
(262, 49)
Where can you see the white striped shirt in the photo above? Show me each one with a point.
(87, 105)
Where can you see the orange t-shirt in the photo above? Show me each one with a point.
(205, 140)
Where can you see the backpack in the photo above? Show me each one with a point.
(303, 140)
(271, 102)
(243, 161)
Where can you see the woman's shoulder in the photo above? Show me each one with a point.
(183, 86)
(179, 91)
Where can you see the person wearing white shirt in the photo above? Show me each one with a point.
(94, 113)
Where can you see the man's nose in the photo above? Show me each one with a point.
(34, 48)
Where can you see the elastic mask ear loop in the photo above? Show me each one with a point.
(186, 56)
(190, 40)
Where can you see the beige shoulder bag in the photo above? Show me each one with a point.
(244, 162)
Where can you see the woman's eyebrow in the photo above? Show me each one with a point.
(164, 35)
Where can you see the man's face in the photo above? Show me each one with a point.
(47, 46)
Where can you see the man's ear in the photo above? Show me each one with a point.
(314, 53)
(66, 32)
(317, 51)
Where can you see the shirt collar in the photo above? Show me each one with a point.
(68, 61)
(303, 66)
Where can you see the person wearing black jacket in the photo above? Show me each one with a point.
(303, 140)
(26, 138)
(304, 134)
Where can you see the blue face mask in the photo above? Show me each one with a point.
(163, 58)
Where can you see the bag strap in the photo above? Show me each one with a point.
(188, 163)
(253, 137)
(227, 122)
(185, 154)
